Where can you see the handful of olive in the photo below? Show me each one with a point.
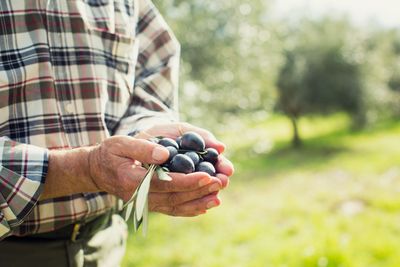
(188, 153)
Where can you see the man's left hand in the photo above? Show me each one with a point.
(184, 196)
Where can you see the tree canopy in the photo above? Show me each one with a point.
(238, 59)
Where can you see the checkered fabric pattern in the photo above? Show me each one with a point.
(73, 73)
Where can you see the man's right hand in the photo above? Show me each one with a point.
(114, 166)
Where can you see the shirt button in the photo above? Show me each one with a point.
(69, 107)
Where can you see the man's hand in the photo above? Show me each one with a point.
(115, 166)
(172, 130)
(186, 195)
(192, 194)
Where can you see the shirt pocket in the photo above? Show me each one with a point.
(113, 48)
(113, 57)
(116, 16)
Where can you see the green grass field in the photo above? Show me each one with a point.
(335, 202)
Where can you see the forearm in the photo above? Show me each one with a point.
(68, 173)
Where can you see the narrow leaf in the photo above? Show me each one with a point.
(162, 175)
(128, 211)
(145, 221)
(142, 193)
(135, 222)
(133, 197)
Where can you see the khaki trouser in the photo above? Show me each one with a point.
(105, 249)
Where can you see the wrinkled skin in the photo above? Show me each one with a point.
(116, 168)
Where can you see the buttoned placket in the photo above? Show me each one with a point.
(66, 106)
(67, 109)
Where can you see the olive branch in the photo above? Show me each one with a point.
(139, 200)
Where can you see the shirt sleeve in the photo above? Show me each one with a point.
(23, 169)
(155, 96)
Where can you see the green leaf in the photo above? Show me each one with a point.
(139, 200)
(128, 211)
(162, 175)
(142, 193)
(132, 199)
(145, 220)
(136, 224)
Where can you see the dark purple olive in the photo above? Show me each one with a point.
(168, 142)
(211, 155)
(181, 163)
(206, 167)
(192, 141)
(172, 152)
(194, 156)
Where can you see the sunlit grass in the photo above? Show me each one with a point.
(335, 202)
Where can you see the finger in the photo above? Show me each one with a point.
(198, 206)
(208, 137)
(183, 182)
(176, 198)
(224, 180)
(224, 166)
(142, 150)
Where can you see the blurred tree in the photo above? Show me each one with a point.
(322, 73)
(236, 59)
(383, 48)
(230, 57)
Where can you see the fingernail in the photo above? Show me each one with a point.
(211, 204)
(204, 181)
(222, 147)
(159, 153)
(214, 188)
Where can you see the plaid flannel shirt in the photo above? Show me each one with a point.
(72, 73)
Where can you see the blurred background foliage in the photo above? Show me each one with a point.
(230, 57)
(237, 61)
(264, 84)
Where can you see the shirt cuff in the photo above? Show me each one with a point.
(23, 170)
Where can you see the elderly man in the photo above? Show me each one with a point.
(78, 78)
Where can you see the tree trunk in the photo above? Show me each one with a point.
(296, 141)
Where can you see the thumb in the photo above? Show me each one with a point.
(144, 151)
